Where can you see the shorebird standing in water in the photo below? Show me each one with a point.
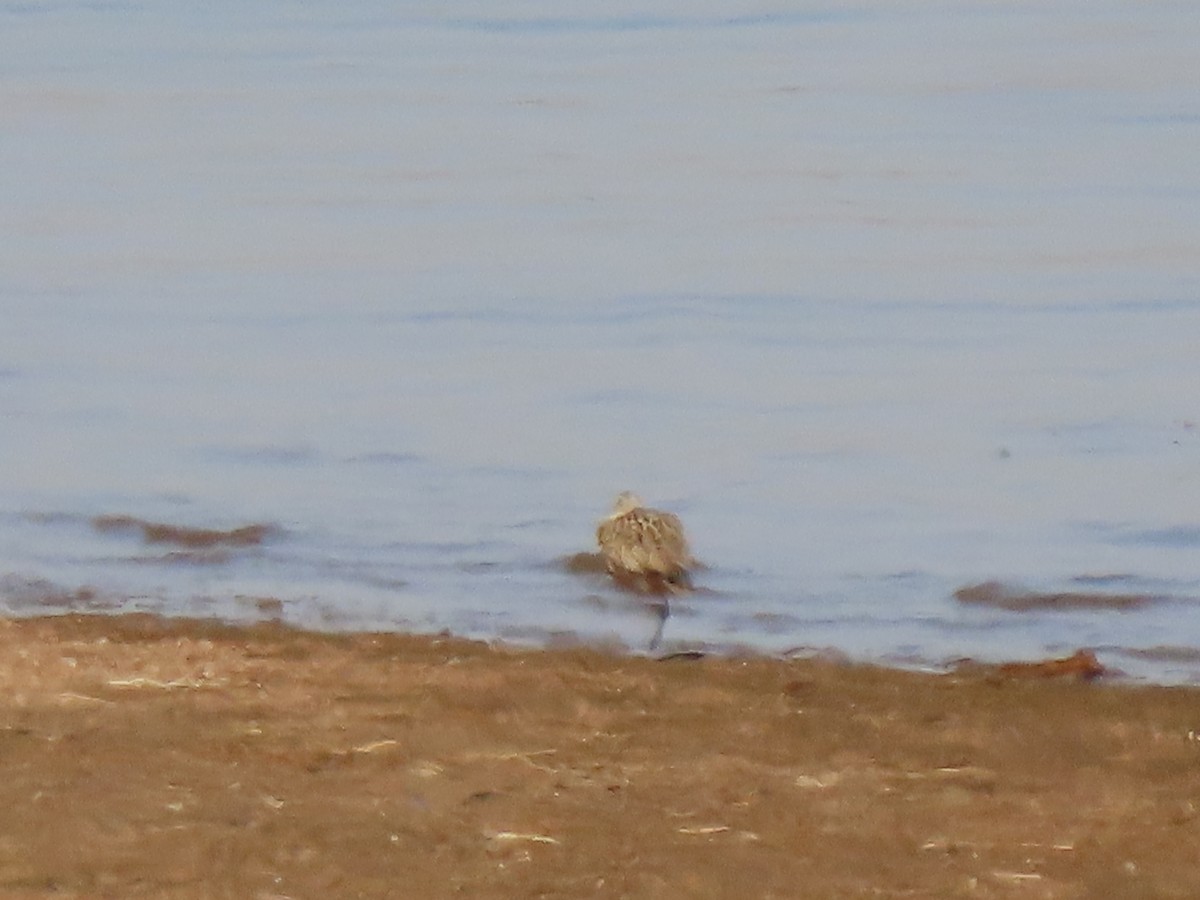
(645, 549)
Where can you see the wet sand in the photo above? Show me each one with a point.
(160, 758)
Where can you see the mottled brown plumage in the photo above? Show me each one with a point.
(644, 549)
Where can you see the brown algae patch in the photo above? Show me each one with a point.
(185, 536)
(1081, 665)
(1017, 599)
(30, 593)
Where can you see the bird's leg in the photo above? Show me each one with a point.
(663, 608)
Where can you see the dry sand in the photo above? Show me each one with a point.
(153, 758)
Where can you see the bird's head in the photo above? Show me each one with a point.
(627, 501)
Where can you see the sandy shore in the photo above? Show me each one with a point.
(154, 758)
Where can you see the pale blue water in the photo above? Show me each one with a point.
(884, 299)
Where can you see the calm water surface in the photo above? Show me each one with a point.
(885, 299)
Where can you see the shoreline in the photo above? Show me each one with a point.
(187, 758)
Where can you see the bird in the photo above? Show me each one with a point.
(644, 549)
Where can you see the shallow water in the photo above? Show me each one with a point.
(886, 300)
